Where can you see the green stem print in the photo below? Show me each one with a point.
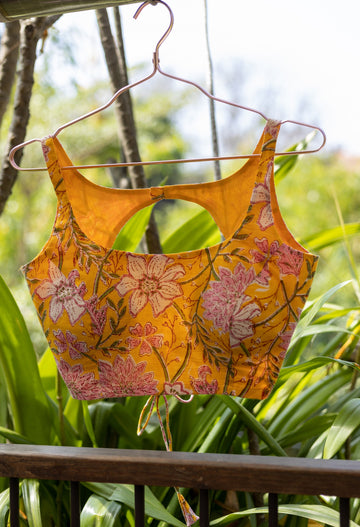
(162, 362)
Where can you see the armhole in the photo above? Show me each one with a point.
(284, 233)
(47, 243)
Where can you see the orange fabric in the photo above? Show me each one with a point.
(213, 320)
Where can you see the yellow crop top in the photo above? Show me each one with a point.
(208, 321)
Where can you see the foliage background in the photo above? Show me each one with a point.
(314, 409)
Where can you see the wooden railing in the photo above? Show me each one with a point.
(273, 475)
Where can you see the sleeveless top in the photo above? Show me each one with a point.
(207, 321)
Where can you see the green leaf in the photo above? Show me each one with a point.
(14, 437)
(74, 417)
(216, 433)
(29, 404)
(48, 373)
(329, 237)
(346, 422)
(336, 312)
(88, 423)
(285, 164)
(4, 507)
(312, 428)
(153, 507)
(318, 513)
(31, 497)
(198, 231)
(312, 310)
(316, 329)
(99, 512)
(124, 420)
(130, 235)
(313, 397)
(253, 423)
(125, 494)
(205, 420)
(313, 364)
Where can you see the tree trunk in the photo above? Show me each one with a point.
(9, 52)
(116, 64)
(30, 33)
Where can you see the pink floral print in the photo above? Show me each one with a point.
(265, 251)
(65, 295)
(81, 385)
(69, 342)
(175, 388)
(98, 316)
(286, 336)
(45, 149)
(213, 320)
(261, 194)
(290, 261)
(241, 324)
(126, 377)
(152, 281)
(225, 303)
(145, 338)
(264, 254)
(201, 385)
(272, 127)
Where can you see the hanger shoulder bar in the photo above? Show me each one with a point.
(161, 161)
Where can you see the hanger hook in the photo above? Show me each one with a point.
(167, 32)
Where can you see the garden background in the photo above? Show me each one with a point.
(314, 410)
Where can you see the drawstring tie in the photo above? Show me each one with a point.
(189, 515)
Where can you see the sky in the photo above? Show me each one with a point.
(291, 60)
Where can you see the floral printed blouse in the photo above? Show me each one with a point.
(208, 321)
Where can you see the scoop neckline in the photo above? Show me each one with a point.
(189, 254)
(184, 254)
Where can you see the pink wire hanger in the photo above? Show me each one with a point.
(156, 68)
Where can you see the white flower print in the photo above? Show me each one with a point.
(65, 295)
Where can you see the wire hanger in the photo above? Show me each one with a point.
(156, 68)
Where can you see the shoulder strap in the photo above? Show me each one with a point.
(266, 165)
(52, 162)
(264, 196)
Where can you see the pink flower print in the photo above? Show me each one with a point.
(125, 377)
(265, 252)
(290, 261)
(222, 297)
(189, 515)
(286, 336)
(98, 316)
(201, 385)
(261, 194)
(224, 303)
(175, 388)
(65, 295)
(272, 127)
(145, 338)
(263, 255)
(152, 281)
(68, 341)
(241, 325)
(80, 386)
(45, 149)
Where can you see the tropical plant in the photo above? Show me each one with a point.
(312, 412)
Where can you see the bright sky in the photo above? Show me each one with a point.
(292, 60)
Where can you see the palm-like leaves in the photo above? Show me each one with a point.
(313, 410)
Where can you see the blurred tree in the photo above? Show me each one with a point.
(31, 31)
(9, 52)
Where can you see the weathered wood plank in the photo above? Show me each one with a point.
(216, 471)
